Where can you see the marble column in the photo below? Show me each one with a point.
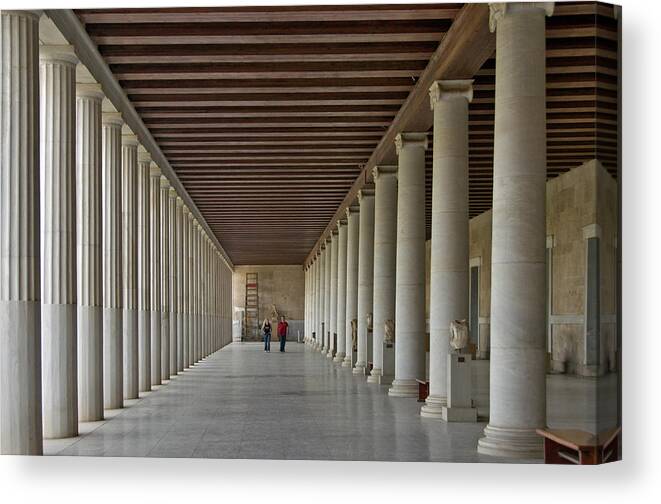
(130, 263)
(365, 277)
(155, 271)
(185, 285)
(195, 263)
(518, 353)
(353, 231)
(173, 279)
(322, 298)
(20, 297)
(165, 279)
(144, 272)
(328, 264)
(179, 265)
(449, 231)
(341, 290)
(410, 268)
(385, 241)
(89, 254)
(318, 302)
(191, 290)
(57, 138)
(113, 377)
(333, 294)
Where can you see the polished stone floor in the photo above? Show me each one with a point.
(244, 403)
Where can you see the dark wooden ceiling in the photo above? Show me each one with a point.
(267, 114)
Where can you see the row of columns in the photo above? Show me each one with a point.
(108, 284)
(384, 277)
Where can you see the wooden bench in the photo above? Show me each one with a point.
(572, 446)
(423, 390)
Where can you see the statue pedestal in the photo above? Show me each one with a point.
(459, 404)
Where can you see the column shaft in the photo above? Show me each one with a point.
(353, 231)
(365, 277)
(172, 272)
(341, 290)
(179, 252)
(185, 284)
(333, 295)
(144, 272)
(191, 290)
(165, 280)
(155, 271)
(57, 72)
(20, 296)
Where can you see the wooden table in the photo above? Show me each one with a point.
(423, 390)
(572, 446)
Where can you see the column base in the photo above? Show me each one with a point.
(403, 388)
(359, 369)
(329, 354)
(375, 376)
(511, 442)
(347, 361)
(433, 407)
(339, 357)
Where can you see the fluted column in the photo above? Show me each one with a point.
(173, 280)
(89, 254)
(365, 276)
(322, 298)
(165, 279)
(144, 271)
(195, 264)
(410, 272)
(191, 290)
(57, 72)
(155, 270)
(130, 263)
(205, 294)
(341, 290)
(449, 231)
(328, 261)
(185, 284)
(20, 296)
(179, 265)
(113, 378)
(518, 285)
(385, 241)
(353, 231)
(317, 301)
(333, 294)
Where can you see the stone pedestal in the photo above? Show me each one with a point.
(144, 272)
(353, 228)
(365, 276)
(20, 297)
(57, 72)
(113, 378)
(410, 274)
(89, 254)
(459, 406)
(518, 283)
(449, 236)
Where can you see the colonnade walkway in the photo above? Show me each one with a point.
(243, 403)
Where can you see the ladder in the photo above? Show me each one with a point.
(251, 326)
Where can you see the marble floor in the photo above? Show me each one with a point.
(244, 403)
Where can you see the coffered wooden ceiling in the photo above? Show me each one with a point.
(268, 114)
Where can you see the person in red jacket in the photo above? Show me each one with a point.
(283, 326)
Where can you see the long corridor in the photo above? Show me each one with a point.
(243, 403)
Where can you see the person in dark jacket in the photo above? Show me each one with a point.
(283, 326)
(266, 329)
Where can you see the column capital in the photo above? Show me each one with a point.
(384, 170)
(190, 214)
(353, 209)
(179, 202)
(130, 140)
(92, 91)
(418, 139)
(442, 90)
(341, 222)
(64, 54)
(143, 155)
(498, 10)
(172, 193)
(165, 183)
(333, 234)
(112, 119)
(367, 191)
(154, 170)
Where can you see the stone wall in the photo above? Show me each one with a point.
(282, 286)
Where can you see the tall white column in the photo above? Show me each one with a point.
(130, 263)
(449, 231)
(353, 231)
(179, 265)
(365, 276)
(113, 378)
(385, 241)
(155, 270)
(333, 294)
(195, 264)
(57, 72)
(328, 262)
(89, 254)
(322, 298)
(518, 371)
(185, 284)
(20, 296)
(191, 290)
(410, 271)
(173, 279)
(144, 271)
(317, 301)
(341, 290)
(165, 280)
